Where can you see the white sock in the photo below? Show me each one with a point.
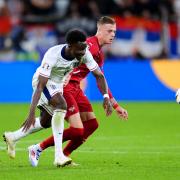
(57, 129)
(17, 135)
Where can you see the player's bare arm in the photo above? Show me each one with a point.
(102, 84)
(31, 117)
(121, 112)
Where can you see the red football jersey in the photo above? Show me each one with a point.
(82, 71)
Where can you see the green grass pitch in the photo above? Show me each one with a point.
(146, 147)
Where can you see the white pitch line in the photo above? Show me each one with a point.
(29, 142)
(103, 152)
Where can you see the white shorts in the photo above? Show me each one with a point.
(49, 91)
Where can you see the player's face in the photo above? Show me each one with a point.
(108, 32)
(78, 50)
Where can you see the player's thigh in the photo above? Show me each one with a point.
(75, 121)
(51, 97)
(72, 115)
(72, 107)
(85, 116)
(85, 107)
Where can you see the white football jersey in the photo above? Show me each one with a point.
(56, 68)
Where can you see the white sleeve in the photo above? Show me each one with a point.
(48, 62)
(89, 61)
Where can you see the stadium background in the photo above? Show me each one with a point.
(146, 30)
(142, 66)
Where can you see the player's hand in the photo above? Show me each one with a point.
(107, 106)
(29, 122)
(122, 113)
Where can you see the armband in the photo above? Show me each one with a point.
(115, 105)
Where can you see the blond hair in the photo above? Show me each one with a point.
(106, 20)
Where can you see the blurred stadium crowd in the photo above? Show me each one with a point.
(146, 29)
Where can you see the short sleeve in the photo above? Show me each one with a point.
(48, 62)
(89, 61)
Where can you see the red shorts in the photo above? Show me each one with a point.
(75, 99)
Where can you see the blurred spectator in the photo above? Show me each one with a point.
(106, 6)
(145, 28)
(123, 7)
(80, 14)
(41, 11)
(5, 23)
(62, 6)
(5, 30)
(38, 19)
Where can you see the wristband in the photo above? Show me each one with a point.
(106, 96)
(115, 105)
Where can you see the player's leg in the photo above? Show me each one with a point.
(54, 103)
(75, 130)
(88, 119)
(89, 128)
(45, 116)
(12, 137)
(35, 150)
(90, 123)
(59, 104)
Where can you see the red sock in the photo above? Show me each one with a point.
(70, 133)
(89, 127)
(77, 135)
(47, 142)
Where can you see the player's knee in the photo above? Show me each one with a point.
(60, 105)
(90, 126)
(58, 102)
(95, 124)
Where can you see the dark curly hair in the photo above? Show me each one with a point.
(75, 36)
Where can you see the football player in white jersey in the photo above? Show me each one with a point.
(48, 80)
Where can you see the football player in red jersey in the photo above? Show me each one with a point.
(80, 115)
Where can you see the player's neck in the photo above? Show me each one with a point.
(67, 54)
(100, 40)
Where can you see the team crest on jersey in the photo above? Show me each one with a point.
(71, 109)
(45, 66)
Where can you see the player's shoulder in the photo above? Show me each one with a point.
(55, 50)
(91, 40)
(93, 44)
